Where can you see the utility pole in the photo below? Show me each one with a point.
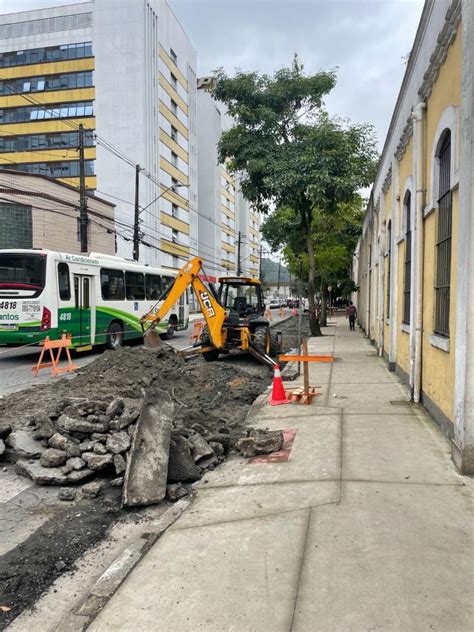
(136, 221)
(279, 268)
(239, 240)
(83, 216)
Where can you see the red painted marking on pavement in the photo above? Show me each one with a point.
(281, 455)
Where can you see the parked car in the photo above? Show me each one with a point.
(274, 304)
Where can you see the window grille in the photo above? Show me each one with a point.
(443, 240)
(407, 279)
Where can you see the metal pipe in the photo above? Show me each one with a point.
(417, 117)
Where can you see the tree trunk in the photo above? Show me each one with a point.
(313, 320)
(324, 306)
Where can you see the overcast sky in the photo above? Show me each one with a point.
(367, 40)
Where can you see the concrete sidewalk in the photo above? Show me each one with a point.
(367, 525)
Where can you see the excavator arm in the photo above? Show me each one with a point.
(214, 314)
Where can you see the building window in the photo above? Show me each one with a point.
(389, 263)
(175, 236)
(64, 282)
(43, 112)
(174, 107)
(174, 134)
(174, 57)
(407, 277)
(174, 159)
(32, 142)
(174, 81)
(42, 55)
(16, 226)
(175, 261)
(50, 82)
(443, 240)
(69, 169)
(174, 210)
(174, 184)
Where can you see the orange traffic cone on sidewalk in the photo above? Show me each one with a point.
(278, 395)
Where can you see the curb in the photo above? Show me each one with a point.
(113, 576)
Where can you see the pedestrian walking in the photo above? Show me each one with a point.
(351, 314)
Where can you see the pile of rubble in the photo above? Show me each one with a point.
(82, 438)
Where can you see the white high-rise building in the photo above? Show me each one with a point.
(126, 71)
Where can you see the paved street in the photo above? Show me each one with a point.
(15, 364)
(367, 525)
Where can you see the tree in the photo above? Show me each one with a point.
(334, 237)
(288, 152)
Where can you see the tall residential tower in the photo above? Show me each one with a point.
(126, 71)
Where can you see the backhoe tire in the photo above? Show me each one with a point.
(209, 356)
(274, 346)
(262, 340)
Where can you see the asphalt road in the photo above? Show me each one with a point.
(16, 363)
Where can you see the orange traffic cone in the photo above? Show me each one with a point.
(278, 395)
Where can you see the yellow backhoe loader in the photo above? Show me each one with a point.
(233, 314)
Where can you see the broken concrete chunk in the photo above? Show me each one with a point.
(260, 442)
(2, 446)
(53, 458)
(200, 448)
(75, 463)
(70, 424)
(147, 465)
(115, 408)
(43, 426)
(181, 466)
(5, 430)
(217, 448)
(131, 430)
(209, 462)
(99, 436)
(39, 474)
(175, 492)
(79, 475)
(60, 442)
(117, 482)
(99, 448)
(92, 490)
(67, 493)
(97, 461)
(118, 442)
(60, 565)
(23, 444)
(120, 464)
(86, 446)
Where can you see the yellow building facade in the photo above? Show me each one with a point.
(414, 262)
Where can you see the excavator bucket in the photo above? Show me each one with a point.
(151, 338)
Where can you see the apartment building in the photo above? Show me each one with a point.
(37, 211)
(229, 237)
(126, 72)
(415, 257)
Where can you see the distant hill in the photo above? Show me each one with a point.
(270, 272)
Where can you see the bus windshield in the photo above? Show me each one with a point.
(22, 271)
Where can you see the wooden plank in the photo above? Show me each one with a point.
(305, 358)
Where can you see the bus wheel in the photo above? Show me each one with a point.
(114, 336)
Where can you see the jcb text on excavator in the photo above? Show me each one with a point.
(233, 314)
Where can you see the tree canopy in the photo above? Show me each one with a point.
(288, 153)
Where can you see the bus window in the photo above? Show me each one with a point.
(64, 282)
(135, 286)
(22, 272)
(167, 281)
(112, 285)
(153, 287)
(76, 291)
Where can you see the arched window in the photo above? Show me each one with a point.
(407, 277)
(443, 239)
(389, 263)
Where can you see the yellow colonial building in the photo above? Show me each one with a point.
(414, 264)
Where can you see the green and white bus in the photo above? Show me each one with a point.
(96, 299)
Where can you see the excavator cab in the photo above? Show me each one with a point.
(247, 328)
